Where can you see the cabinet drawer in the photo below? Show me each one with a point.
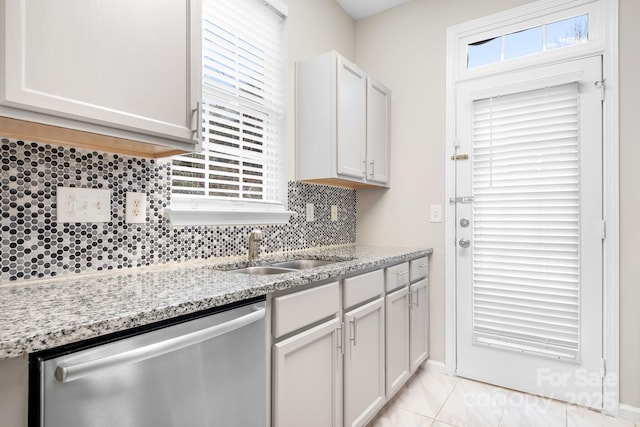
(396, 276)
(418, 268)
(361, 288)
(297, 310)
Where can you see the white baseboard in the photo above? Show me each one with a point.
(629, 412)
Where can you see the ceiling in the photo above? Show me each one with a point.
(359, 9)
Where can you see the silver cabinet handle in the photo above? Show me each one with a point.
(340, 337)
(353, 337)
(70, 373)
(197, 132)
(373, 166)
(464, 243)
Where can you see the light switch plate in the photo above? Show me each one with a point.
(136, 208)
(436, 213)
(310, 212)
(334, 212)
(83, 205)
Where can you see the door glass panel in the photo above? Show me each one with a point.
(568, 32)
(523, 43)
(484, 52)
(526, 215)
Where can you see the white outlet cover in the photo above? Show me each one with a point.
(334, 212)
(135, 208)
(310, 212)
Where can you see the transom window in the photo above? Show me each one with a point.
(542, 38)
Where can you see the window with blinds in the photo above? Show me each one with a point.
(244, 70)
(526, 213)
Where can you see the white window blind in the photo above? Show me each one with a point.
(526, 258)
(243, 111)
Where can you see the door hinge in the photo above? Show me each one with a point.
(603, 368)
(603, 229)
(600, 85)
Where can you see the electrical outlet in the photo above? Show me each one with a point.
(334, 212)
(310, 212)
(135, 208)
(82, 205)
(436, 213)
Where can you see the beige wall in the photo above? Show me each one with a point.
(629, 204)
(315, 27)
(405, 49)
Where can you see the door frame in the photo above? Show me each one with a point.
(606, 44)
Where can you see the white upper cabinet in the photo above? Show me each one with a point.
(352, 119)
(124, 69)
(378, 117)
(342, 124)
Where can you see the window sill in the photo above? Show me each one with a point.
(233, 217)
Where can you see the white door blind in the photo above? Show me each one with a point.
(243, 107)
(526, 267)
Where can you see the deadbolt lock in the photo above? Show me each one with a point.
(464, 222)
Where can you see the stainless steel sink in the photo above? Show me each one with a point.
(263, 270)
(302, 264)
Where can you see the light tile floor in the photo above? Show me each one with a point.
(435, 399)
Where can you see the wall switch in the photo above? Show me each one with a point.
(334, 212)
(310, 212)
(436, 213)
(136, 208)
(83, 205)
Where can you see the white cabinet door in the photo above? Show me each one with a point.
(419, 323)
(397, 339)
(121, 65)
(364, 366)
(307, 378)
(377, 132)
(351, 122)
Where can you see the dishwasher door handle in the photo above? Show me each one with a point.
(70, 373)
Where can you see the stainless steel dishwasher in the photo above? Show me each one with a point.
(207, 371)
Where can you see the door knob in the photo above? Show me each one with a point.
(464, 243)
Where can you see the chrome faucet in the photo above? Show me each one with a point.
(254, 243)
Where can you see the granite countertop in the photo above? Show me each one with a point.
(46, 313)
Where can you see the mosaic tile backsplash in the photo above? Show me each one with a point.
(34, 245)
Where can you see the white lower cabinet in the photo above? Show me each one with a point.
(397, 339)
(341, 350)
(307, 378)
(364, 363)
(419, 323)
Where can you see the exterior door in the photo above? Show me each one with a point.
(529, 231)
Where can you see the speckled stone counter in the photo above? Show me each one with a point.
(43, 314)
